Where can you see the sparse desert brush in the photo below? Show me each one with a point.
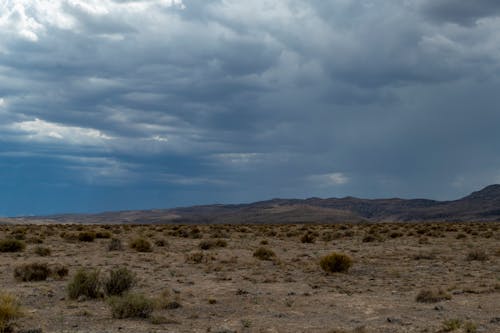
(85, 283)
(10, 310)
(336, 262)
(42, 251)
(86, 236)
(264, 253)
(166, 301)
(131, 306)
(32, 272)
(196, 258)
(11, 245)
(161, 242)
(212, 243)
(451, 325)
(59, 271)
(141, 245)
(102, 234)
(432, 296)
(119, 281)
(308, 238)
(115, 244)
(477, 255)
(461, 236)
(371, 238)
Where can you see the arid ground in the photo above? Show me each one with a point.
(439, 277)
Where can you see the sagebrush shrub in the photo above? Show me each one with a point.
(119, 281)
(264, 253)
(141, 245)
(336, 263)
(208, 244)
(85, 283)
(11, 245)
(432, 296)
(131, 306)
(115, 245)
(32, 272)
(43, 251)
(478, 255)
(86, 236)
(10, 310)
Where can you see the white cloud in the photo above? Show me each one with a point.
(2, 103)
(329, 179)
(40, 130)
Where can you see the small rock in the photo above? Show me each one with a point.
(394, 320)
(495, 320)
(82, 298)
(439, 308)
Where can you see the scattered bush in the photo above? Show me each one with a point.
(264, 253)
(432, 296)
(131, 306)
(59, 271)
(478, 255)
(208, 244)
(119, 281)
(451, 325)
(161, 243)
(308, 238)
(115, 245)
(196, 258)
(336, 262)
(43, 251)
(32, 272)
(11, 245)
(10, 310)
(86, 236)
(166, 301)
(141, 245)
(103, 234)
(84, 283)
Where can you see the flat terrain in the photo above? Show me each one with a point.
(227, 289)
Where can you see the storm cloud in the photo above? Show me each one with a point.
(139, 104)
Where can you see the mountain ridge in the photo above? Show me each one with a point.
(482, 205)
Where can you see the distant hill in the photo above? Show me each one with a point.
(483, 205)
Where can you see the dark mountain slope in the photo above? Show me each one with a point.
(483, 205)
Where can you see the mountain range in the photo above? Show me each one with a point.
(483, 205)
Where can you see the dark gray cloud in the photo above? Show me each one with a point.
(461, 12)
(249, 100)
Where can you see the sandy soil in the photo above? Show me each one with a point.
(232, 291)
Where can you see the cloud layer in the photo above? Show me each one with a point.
(131, 104)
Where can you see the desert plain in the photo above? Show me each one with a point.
(413, 277)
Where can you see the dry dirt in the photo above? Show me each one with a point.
(232, 291)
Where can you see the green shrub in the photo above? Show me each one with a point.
(131, 306)
(86, 236)
(43, 251)
(336, 262)
(10, 310)
(32, 272)
(264, 253)
(141, 245)
(85, 283)
(119, 281)
(11, 245)
(432, 296)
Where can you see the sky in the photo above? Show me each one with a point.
(137, 104)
